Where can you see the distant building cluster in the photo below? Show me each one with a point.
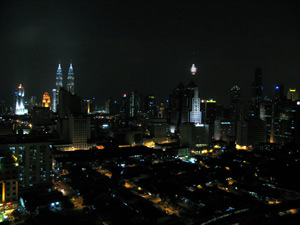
(30, 132)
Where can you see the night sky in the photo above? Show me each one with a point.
(148, 46)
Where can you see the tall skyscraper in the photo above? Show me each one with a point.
(257, 86)
(59, 84)
(195, 113)
(70, 79)
(20, 108)
(257, 93)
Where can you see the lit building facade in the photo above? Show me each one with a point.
(34, 161)
(195, 113)
(70, 80)
(46, 100)
(20, 107)
(59, 84)
(8, 182)
(185, 105)
(54, 100)
(285, 120)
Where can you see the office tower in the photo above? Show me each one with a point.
(194, 103)
(284, 122)
(70, 79)
(69, 104)
(257, 86)
(176, 104)
(79, 131)
(46, 100)
(185, 105)
(292, 94)
(257, 93)
(54, 100)
(235, 105)
(8, 181)
(135, 104)
(20, 108)
(59, 84)
(158, 129)
(208, 109)
(73, 126)
(150, 107)
(191, 135)
(251, 132)
(267, 108)
(124, 109)
(279, 93)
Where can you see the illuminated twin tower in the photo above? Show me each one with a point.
(59, 84)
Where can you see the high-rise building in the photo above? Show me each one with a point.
(34, 160)
(235, 106)
(59, 84)
(8, 181)
(195, 113)
(185, 105)
(292, 94)
(73, 126)
(257, 86)
(150, 106)
(46, 100)
(176, 104)
(20, 108)
(285, 121)
(251, 132)
(69, 104)
(257, 93)
(54, 100)
(135, 104)
(70, 79)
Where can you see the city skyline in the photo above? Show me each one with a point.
(116, 48)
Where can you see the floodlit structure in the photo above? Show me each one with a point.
(59, 84)
(20, 108)
(70, 79)
(46, 100)
(54, 100)
(193, 69)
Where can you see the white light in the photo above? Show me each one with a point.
(193, 69)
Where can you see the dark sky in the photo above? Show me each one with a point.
(148, 46)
